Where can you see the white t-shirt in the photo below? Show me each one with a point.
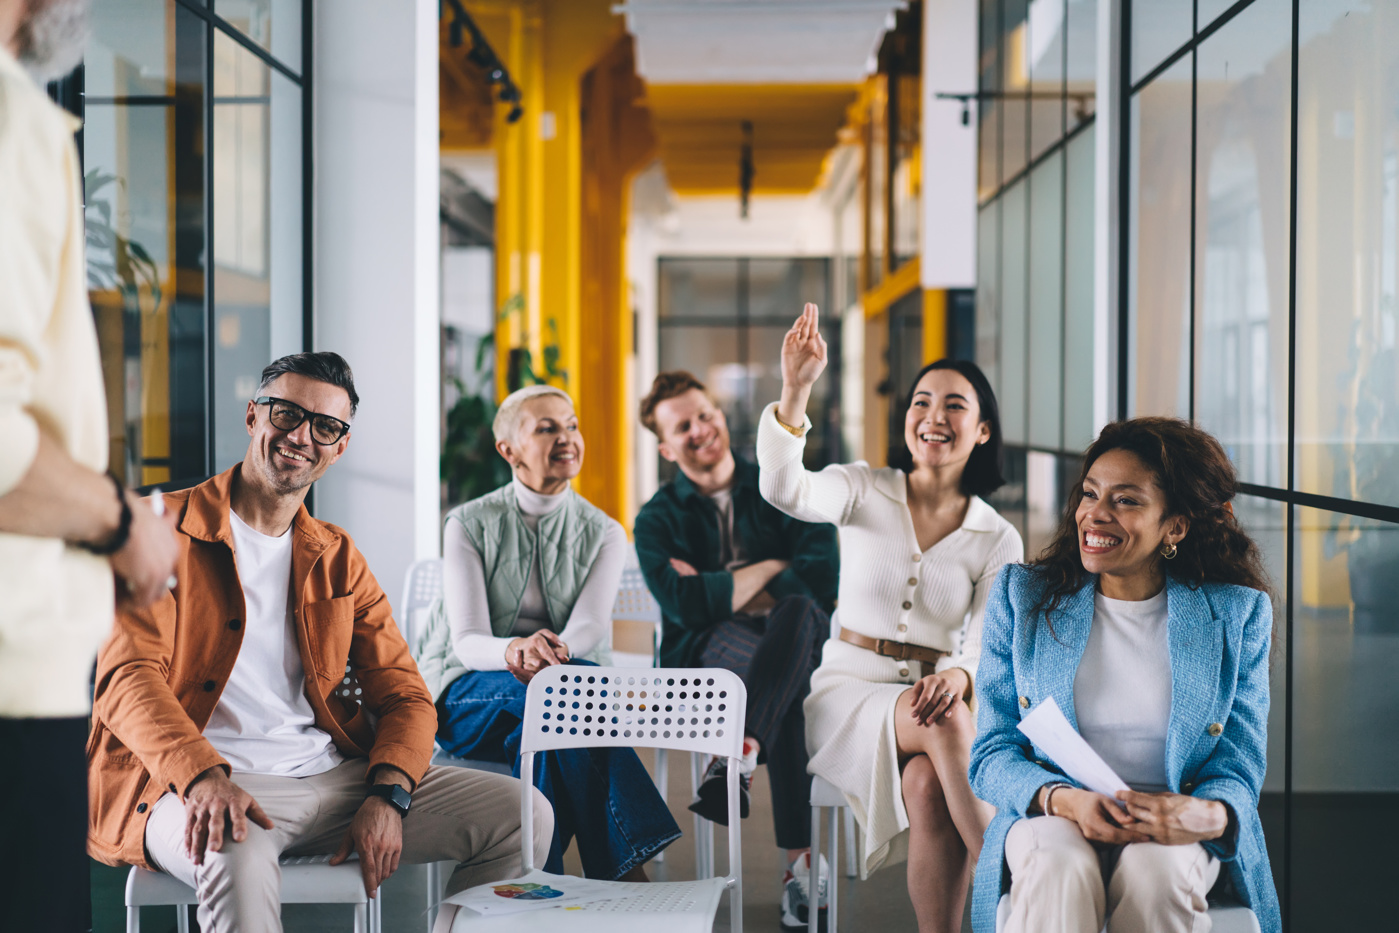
(263, 723)
(1122, 691)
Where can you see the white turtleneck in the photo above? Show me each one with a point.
(469, 615)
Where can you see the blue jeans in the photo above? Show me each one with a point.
(604, 796)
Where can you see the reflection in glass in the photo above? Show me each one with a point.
(1045, 46)
(143, 134)
(257, 234)
(988, 110)
(1159, 27)
(1244, 81)
(273, 24)
(1345, 729)
(1348, 252)
(1015, 84)
(1159, 247)
(1014, 235)
(988, 292)
(1046, 308)
(1078, 293)
(699, 288)
(1081, 69)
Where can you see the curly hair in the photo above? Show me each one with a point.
(1198, 480)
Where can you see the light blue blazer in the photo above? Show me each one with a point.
(1216, 744)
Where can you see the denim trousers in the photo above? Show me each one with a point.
(602, 796)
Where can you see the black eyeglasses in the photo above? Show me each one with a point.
(288, 416)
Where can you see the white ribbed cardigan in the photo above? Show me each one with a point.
(888, 589)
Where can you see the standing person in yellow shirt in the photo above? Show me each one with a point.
(65, 528)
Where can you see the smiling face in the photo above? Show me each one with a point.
(943, 424)
(1123, 525)
(289, 461)
(693, 432)
(547, 450)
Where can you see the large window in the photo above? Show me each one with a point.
(194, 164)
(724, 320)
(1260, 142)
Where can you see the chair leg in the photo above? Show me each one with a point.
(834, 886)
(362, 918)
(376, 914)
(813, 872)
(434, 893)
(704, 830)
(133, 920)
(852, 868)
(181, 918)
(662, 785)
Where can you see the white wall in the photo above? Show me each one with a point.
(376, 269)
(949, 148)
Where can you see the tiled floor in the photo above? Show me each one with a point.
(880, 903)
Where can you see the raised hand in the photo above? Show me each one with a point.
(803, 351)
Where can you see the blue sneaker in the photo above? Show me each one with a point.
(796, 894)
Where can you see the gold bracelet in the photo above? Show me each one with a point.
(795, 432)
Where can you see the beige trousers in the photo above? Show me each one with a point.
(470, 817)
(1061, 883)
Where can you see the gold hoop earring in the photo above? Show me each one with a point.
(1169, 552)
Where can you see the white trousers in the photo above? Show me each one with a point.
(1061, 883)
(470, 817)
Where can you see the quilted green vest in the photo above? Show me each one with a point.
(568, 540)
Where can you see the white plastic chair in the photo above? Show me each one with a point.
(1227, 918)
(825, 795)
(305, 880)
(688, 709)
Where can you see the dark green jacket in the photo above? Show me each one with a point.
(680, 521)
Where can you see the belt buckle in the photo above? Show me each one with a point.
(897, 650)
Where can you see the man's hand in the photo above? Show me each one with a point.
(1099, 818)
(214, 806)
(759, 605)
(525, 657)
(682, 568)
(147, 560)
(376, 833)
(1176, 819)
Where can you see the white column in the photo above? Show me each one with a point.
(948, 246)
(376, 269)
(1108, 238)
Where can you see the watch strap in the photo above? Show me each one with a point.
(396, 796)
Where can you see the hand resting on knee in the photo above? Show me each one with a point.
(215, 806)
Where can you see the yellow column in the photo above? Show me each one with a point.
(934, 324)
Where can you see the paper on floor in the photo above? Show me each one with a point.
(538, 890)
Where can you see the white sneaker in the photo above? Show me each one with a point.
(796, 894)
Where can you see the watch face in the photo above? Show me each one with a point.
(397, 797)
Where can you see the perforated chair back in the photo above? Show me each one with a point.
(634, 600)
(421, 587)
(687, 709)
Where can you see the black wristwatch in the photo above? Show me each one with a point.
(397, 797)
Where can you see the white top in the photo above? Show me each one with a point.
(1122, 691)
(889, 588)
(57, 600)
(469, 613)
(263, 723)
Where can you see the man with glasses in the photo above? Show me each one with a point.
(221, 740)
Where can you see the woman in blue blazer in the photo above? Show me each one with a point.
(1148, 621)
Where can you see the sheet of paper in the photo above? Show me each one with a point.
(1047, 727)
(538, 890)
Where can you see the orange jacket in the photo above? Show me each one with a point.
(160, 674)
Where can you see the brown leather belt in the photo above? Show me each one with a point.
(898, 650)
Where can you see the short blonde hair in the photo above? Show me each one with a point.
(507, 417)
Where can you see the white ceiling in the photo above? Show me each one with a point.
(757, 41)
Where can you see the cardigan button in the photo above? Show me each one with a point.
(1187, 785)
(140, 808)
(1024, 702)
(903, 672)
(907, 604)
(903, 628)
(209, 686)
(912, 581)
(1216, 729)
